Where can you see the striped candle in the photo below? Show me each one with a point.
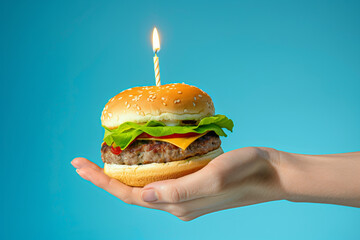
(157, 70)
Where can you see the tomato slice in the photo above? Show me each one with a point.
(175, 135)
(116, 150)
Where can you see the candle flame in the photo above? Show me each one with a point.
(156, 41)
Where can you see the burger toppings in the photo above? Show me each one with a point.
(175, 135)
(151, 151)
(115, 150)
(127, 132)
(180, 140)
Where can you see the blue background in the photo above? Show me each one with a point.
(286, 72)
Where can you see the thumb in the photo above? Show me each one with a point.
(196, 185)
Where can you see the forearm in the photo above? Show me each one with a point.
(333, 179)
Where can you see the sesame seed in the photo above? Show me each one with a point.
(142, 113)
(177, 101)
(179, 92)
(126, 103)
(200, 95)
(130, 95)
(120, 98)
(151, 92)
(140, 91)
(105, 111)
(128, 106)
(185, 110)
(140, 95)
(111, 99)
(164, 104)
(136, 98)
(194, 104)
(163, 98)
(110, 114)
(195, 98)
(138, 108)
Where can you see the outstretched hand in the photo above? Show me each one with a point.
(238, 178)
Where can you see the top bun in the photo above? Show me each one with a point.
(170, 103)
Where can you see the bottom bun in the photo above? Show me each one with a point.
(141, 175)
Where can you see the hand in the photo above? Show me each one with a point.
(238, 178)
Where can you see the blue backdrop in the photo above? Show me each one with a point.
(286, 72)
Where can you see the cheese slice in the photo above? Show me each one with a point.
(182, 143)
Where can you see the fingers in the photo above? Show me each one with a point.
(202, 183)
(110, 185)
(84, 163)
(93, 173)
(190, 210)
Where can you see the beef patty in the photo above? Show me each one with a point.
(151, 151)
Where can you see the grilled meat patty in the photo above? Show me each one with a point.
(151, 151)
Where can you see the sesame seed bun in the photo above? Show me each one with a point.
(141, 175)
(168, 103)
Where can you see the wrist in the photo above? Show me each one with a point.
(274, 163)
(290, 176)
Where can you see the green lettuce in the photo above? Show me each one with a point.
(128, 131)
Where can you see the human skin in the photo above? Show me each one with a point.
(242, 177)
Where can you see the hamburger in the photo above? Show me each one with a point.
(155, 133)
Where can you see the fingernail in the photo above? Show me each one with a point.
(75, 163)
(149, 196)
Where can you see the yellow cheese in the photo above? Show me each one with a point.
(182, 143)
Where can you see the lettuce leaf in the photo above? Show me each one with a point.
(129, 131)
